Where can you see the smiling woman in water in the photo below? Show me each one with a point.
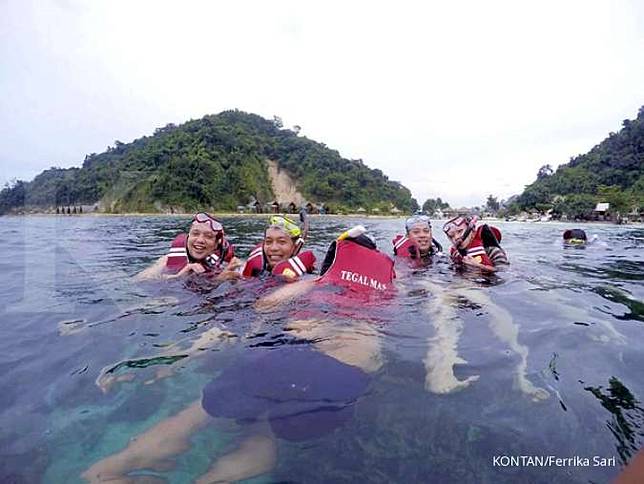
(204, 250)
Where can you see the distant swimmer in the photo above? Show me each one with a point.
(473, 246)
(280, 252)
(577, 237)
(203, 250)
(418, 245)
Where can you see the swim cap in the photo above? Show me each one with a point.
(286, 224)
(417, 219)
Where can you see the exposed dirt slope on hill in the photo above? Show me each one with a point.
(283, 186)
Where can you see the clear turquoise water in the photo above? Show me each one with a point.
(70, 310)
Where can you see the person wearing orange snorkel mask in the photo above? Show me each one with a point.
(279, 252)
(472, 246)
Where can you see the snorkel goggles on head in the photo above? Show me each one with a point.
(574, 237)
(417, 219)
(291, 228)
(285, 224)
(215, 225)
(204, 218)
(457, 223)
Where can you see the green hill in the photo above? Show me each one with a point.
(217, 162)
(613, 172)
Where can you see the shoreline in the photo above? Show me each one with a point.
(346, 215)
(190, 214)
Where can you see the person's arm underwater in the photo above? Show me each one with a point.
(231, 271)
(473, 263)
(155, 271)
(284, 294)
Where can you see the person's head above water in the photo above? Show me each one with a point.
(282, 240)
(575, 237)
(460, 230)
(419, 230)
(205, 237)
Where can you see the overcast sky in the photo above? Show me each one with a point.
(453, 99)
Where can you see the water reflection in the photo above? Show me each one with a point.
(627, 416)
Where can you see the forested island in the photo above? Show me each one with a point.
(235, 159)
(219, 162)
(612, 172)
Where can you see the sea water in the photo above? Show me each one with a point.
(534, 375)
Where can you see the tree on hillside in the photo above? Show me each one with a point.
(492, 204)
(13, 195)
(619, 200)
(431, 206)
(534, 194)
(544, 172)
(618, 161)
(579, 206)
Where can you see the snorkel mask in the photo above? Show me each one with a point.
(469, 223)
(417, 219)
(205, 218)
(216, 226)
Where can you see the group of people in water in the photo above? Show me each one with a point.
(274, 392)
(206, 250)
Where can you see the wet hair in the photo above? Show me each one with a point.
(574, 234)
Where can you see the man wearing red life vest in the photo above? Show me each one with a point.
(204, 250)
(473, 246)
(352, 263)
(418, 245)
(279, 253)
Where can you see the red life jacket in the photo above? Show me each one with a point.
(359, 268)
(292, 268)
(402, 244)
(407, 248)
(296, 266)
(476, 249)
(178, 256)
